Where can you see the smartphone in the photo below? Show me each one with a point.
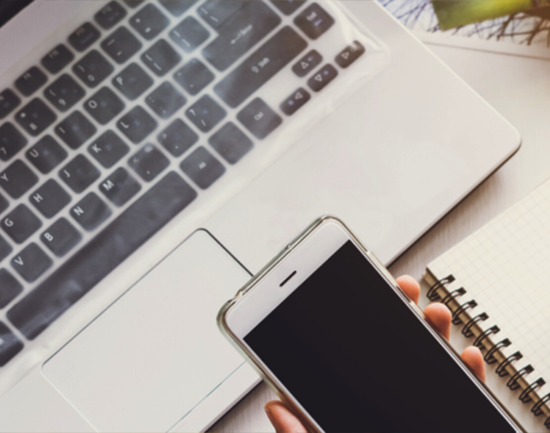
(329, 329)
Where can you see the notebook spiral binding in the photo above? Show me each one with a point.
(471, 327)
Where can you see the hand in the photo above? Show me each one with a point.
(437, 314)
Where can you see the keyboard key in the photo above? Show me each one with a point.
(160, 58)
(50, 198)
(5, 250)
(104, 105)
(121, 45)
(31, 262)
(314, 21)
(75, 130)
(64, 92)
(20, 224)
(8, 102)
(349, 54)
(108, 149)
(259, 118)
(109, 15)
(202, 168)
(61, 237)
(254, 72)
(177, 138)
(57, 59)
(132, 81)
(83, 37)
(35, 117)
(231, 143)
(307, 63)
(11, 141)
(46, 154)
(165, 100)
(149, 22)
(216, 12)
(136, 124)
(322, 77)
(288, 7)
(79, 173)
(189, 34)
(177, 7)
(101, 255)
(4, 204)
(205, 113)
(90, 212)
(9, 288)
(295, 101)
(240, 33)
(92, 69)
(17, 179)
(149, 162)
(194, 76)
(133, 3)
(10, 345)
(119, 187)
(30, 81)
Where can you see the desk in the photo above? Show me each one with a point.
(519, 88)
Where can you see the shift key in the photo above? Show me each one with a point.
(262, 65)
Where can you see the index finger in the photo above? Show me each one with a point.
(410, 286)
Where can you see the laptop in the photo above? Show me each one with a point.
(156, 154)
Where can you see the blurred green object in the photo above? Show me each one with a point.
(455, 13)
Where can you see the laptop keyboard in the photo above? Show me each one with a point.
(77, 199)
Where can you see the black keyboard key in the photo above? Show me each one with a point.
(119, 187)
(17, 179)
(349, 54)
(11, 141)
(46, 154)
(133, 3)
(288, 7)
(295, 101)
(160, 58)
(307, 63)
(50, 198)
(109, 15)
(83, 37)
(177, 138)
(30, 81)
(4, 204)
(104, 105)
(132, 81)
(231, 143)
(165, 100)
(80, 273)
(31, 262)
(314, 21)
(240, 33)
(75, 130)
(259, 118)
(64, 92)
(254, 72)
(194, 76)
(90, 212)
(20, 224)
(35, 117)
(108, 149)
(136, 124)
(216, 12)
(121, 45)
(202, 167)
(8, 102)
(9, 288)
(149, 162)
(205, 113)
(93, 68)
(10, 345)
(177, 7)
(79, 173)
(5, 250)
(149, 22)
(57, 59)
(189, 34)
(322, 77)
(61, 237)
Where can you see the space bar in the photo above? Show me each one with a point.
(41, 307)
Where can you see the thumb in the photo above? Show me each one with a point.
(282, 419)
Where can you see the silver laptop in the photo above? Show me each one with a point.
(155, 154)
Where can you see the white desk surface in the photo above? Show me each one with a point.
(520, 89)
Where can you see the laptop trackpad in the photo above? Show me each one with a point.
(155, 353)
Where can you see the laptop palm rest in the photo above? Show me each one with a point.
(156, 352)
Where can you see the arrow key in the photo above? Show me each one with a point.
(322, 77)
(295, 101)
(307, 63)
(349, 54)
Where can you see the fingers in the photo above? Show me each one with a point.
(410, 286)
(282, 419)
(440, 318)
(474, 359)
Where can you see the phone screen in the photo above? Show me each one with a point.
(356, 358)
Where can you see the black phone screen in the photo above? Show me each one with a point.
(357, 359)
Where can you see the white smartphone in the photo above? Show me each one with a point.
(329, 329)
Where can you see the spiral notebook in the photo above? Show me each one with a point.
(497, 284)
